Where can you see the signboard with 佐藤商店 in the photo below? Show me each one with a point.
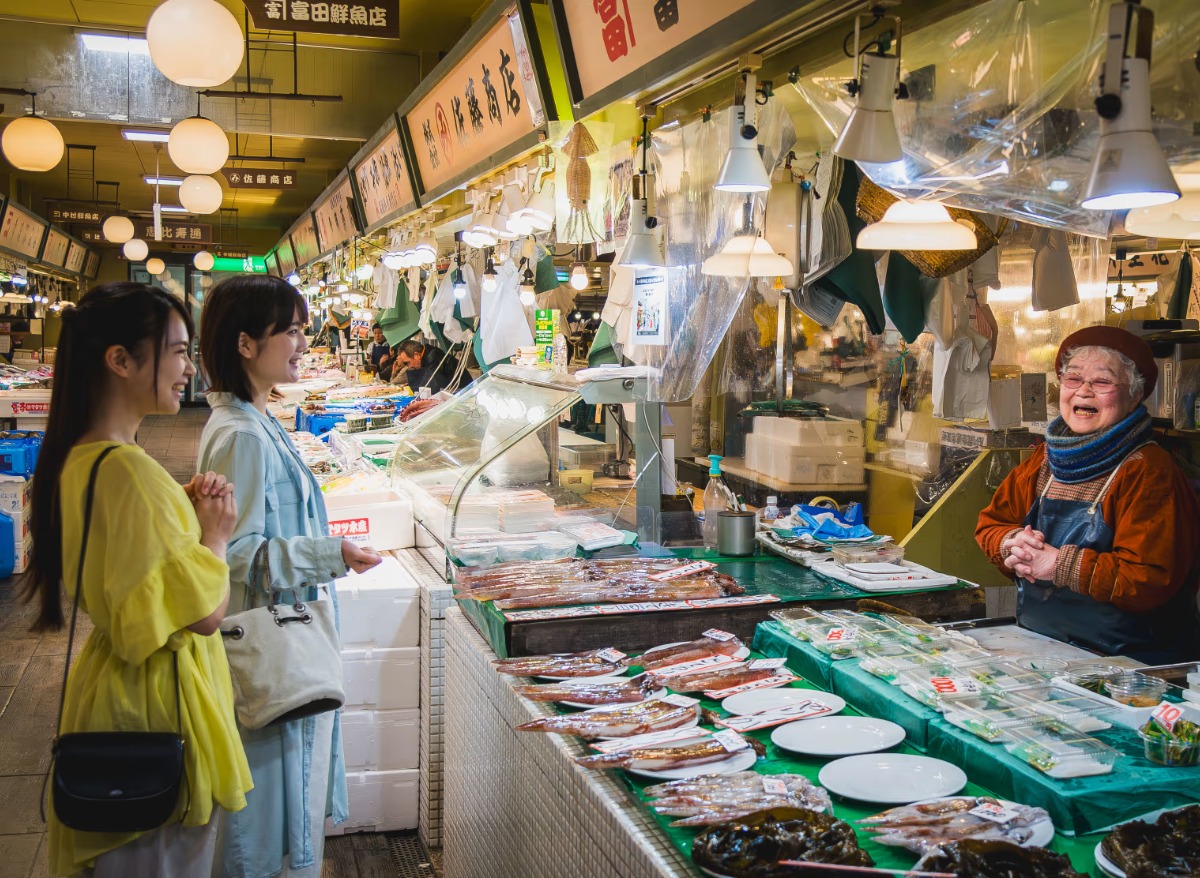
(259, 178)
(370, 18)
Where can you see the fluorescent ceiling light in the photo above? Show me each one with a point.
(147, 136)
(113, 43)
(173, 208)
(163, 181)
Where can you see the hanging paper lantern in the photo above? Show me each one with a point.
(155, 266)
(204, 260)
(32, 144)
(200, 194)
(135, 249)
(198, 146)
(196, 43)
(117, 229)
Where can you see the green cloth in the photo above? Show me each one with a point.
(854, 279)
(906, 295)
(402, 320)
(601, 352)
(1178, 307)
(546, 275)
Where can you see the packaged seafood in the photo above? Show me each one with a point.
(723, 678)
(679, 653)
(927, 825)
(623, 592)
(753, 846)
(989, 858)
(712, 799)
(596, 692)
(627, 720)
(592, 663)
(1167, 848)
(1061, 751)
(715, 749)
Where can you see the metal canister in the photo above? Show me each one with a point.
(735, 533)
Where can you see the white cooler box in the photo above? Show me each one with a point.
(811, 431)
(381, 519)
(819, 465)
(381, 740)
(380, 801)
(382, 679)
(380, 608)
(16, 493)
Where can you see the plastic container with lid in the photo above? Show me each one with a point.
(938, 690)
(889, 660)
(1004, 675)
(869, 552)
(1174, 750)
(1061, 751)
(1137, 690)
(1087, 713)
(991, 715)
(1093, 676)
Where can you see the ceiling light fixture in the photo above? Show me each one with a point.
(641, 248)
(870, 133)
(204, 261)
(1176, 219)
(294, 280)
(196, 43)
(31, 143)
(135, 249)
(201, 194)
(198, 145)
(163, 181)
(155, 266)
(489, 275)
(122, 45)
(146, 136)
(743, 169)
(117, 229)
(917, 225)
(172, 208)
(1129, 169)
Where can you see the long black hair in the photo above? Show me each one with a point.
(124, 314)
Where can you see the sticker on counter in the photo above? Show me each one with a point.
(767, 683)
(731, 740)
(995, 812)
(766, 664)
(776, 716)
(553, 613)
(639, 607)
(849, 634)
(679, 572)
(718, 634)
(773, 786)
(612, 654)
(653, 739)
(955, 685)
(680, 700)
(1166, 715)
(708, 663)
(739, 601)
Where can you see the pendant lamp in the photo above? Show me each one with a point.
(538, 213)
(200, 194)
(870, 133)
(117, 229)
(196, 43)
(1176, 219)
(204, 261)
(747, 256)
(198, 146)
(135, 249)
(743, 169)
(30, 143)
(155, 266)
(642, 249)
(916, 225)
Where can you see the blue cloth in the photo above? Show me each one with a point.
(828, 524)
(280, 503)
(1076, 458)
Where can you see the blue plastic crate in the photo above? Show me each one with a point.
(18, 457)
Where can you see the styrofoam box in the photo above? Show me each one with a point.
(809, 432)
(382, 679)
(380, 801)
(16, 492)
(382, 519)
(806, 466)
(21, 525)
(23, 552)
(379, 608)
(381, 740)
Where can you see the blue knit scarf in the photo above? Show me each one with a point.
(1078, 458)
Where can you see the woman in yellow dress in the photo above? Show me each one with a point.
(155, 582)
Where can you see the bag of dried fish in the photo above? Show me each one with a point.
(720, 798)
(680, 653)
(668, 757)
(1167, 848)
(591, 692)
(988, 858)
(592, 663)
(751, 847)
(932, 824)
(619, 722)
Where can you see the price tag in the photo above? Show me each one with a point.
(686, 570)
(776, 716)
(654, 739)
(768, 664)
(731, 740)
(849, 634)
(995, 812)
(773, 786)
(718, 634)
(680, 700)
(1166, 715)
(954, 685)
(765, 683)
(708, 663)
(610, 655)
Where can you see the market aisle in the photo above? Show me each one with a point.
(30, 676)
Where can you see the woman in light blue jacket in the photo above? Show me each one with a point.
(252, 339)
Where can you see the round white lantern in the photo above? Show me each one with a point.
(198, 146)
(204, 260)
(32, 144)
(135, 249)
(200, 194)
(155, 266)
(117, 229)
(197, 43)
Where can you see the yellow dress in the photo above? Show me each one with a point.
(146, 579)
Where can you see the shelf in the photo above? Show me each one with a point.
(893, 471)
(735, 467)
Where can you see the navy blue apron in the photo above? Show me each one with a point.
(1168, 634)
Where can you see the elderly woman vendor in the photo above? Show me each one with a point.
(1099, 526)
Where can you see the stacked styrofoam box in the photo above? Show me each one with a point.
(15, 495)
(807, 451)
(380, 628)
(381, 519)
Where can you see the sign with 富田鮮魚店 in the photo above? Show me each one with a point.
(259, 178)
(177, 233)
(371, 18)
(486, 103)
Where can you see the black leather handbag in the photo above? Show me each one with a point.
(114, 781)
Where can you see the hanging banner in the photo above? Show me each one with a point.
(272, 264)
(304, 241)
(54, 251)
(93, 235)
(176, 232)
(336, 222)
(650, 307)
(259, 178)
(76, 253)
(483, 108)
(369, 19)
(381, 178)
(21, 231)
(287, 260)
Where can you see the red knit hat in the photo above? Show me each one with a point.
(1120, 340)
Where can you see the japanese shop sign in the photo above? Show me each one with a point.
(75, 254)
(272, 264)
(486, 102)
(357, 529)
(304, 240)
(54, 252)
(371, 18)
(610, 40)
(287, 259)
(335, 215)
(384, 188)
(91, 268)
(259, 178)
(75, 213)
(21, 232)
(176, 232)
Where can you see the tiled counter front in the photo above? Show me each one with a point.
(516, 805)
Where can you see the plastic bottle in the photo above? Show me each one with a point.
(770, 512)
(716, 500)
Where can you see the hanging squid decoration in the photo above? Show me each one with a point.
(579, 147)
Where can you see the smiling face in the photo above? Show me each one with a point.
(275, 358)
(1100, 397)
(160, 393)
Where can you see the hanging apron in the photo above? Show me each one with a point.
(1168, 634)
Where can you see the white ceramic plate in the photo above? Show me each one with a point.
(739, 761)
(656, 694)
(1107, 866)
(892, 778)
(838, 735)
(1043, 830)
(758, 700)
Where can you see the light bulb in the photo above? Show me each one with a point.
(460, 286)
(294, 279)
(394, 261)
(117, 229)
(579, 277)
(489, 281)
(364, 272)
(595, 315)
(527, 296)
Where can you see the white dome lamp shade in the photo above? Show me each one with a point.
(513, 204)
(198, 146)
(1176, 220)
(747, 256)
(743, 169)
(917, 225)
(200, 194)
(538, 212)
(117, 229)
(135, 249)
(196, 43)
(30, 143)
(1129, 169)
(204, 261)
(155, 266)
(870, 133)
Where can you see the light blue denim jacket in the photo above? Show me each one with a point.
(279, 502)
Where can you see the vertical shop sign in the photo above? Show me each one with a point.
(370, 18)
(334, 214)
(54, 252)
(304, 241)
(75, 256)
(21, 232)
(384, 187)
(485, 103)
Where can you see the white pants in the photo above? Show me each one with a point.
(172, 851)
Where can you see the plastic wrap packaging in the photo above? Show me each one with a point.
(1000, 117)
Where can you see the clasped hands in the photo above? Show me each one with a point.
(1027, 554)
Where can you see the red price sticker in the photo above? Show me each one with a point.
(718, 634)
(954, 685)
(841, 635)
(1166, 715)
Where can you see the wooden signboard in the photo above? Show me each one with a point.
(272, 264)
(370, 18)
(76, 253)
(21, 231)
(304, 241)
(54, 251)
(334, 214)
(382, 180)
(287, 260)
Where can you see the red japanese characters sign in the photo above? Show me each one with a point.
(370, 18)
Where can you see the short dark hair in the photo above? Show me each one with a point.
(376, 326)
(258, 305)
(411, 347)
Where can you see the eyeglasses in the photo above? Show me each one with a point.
(1099, 386)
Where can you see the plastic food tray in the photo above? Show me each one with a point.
(865, 554)
(1084, 712)
(924, 578)
(1061, 751)
(890, 660)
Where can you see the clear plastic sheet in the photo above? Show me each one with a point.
(1001, 116)
(698, 222)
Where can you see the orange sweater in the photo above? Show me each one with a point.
(1154, 515)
